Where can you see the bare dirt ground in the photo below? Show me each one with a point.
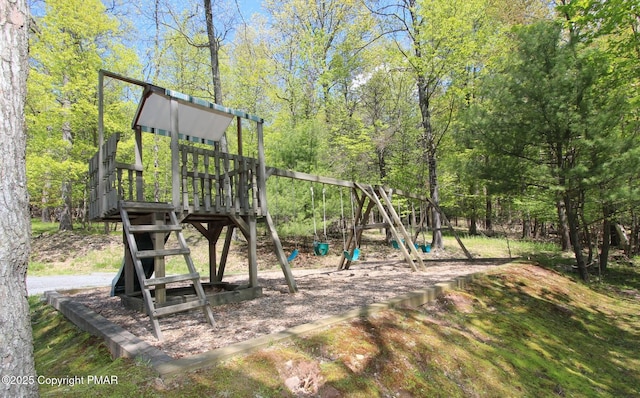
(322, 293)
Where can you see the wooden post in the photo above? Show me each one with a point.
(253, 251)
(129, 270)
(239, 122)
(139, 167)
(262, 173)
(225, 252)
(102, 197)
(175, 156)
(159, 262)
(212, 232)
(282, 257)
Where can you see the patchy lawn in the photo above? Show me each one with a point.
(525, 331)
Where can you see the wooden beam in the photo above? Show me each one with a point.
(212, 232)
(309, 177)
(176, 184)
(129, 270)
(102, 201)
(240, 223)
(252, 240)
(225, 253)
(159, 262)
(282, 257)
(379, 225)
(455, 234)
(139, 166)
(239, 129)
(262, 171)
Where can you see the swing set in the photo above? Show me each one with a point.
(355, 253)
(320, 248)
(364, 199)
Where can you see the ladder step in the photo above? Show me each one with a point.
(153, 207)
(154, 228)
(171, 279)
(172, 309)
(162, 253)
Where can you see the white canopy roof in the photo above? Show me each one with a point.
(198, 120)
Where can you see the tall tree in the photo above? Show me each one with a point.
(71, 42)
(438, 39)
(557, 106)
(16, 342)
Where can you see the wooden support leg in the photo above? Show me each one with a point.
(129, 270)
(282, 257)
(212, 232)
(253, 251)
(158, 244)
(225, 253)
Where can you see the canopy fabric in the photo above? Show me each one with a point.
(196, 118)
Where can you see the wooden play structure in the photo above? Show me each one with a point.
(213, 191)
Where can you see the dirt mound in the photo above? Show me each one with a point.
(61, 246)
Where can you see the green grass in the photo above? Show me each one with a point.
(500, 247)
(38, 227)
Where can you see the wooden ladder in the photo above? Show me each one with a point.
(167, 222)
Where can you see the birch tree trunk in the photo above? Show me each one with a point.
(66, 219)
(16, 342)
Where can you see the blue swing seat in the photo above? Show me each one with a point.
(320, 248)
(292, 256)
(395, 244)
(426, 248)
(352, 256)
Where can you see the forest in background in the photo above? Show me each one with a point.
(505, 113)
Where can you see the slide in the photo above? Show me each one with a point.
(144, 242)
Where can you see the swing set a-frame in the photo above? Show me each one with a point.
(211, 190)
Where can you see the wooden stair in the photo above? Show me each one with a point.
(163, 221)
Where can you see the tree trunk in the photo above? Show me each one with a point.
(488, 216)
(606, 237)
(572, 220)
(66, 223)
(16, 342)
(526, 227)
(46, 211)
(563, 226)
(214, 50)
(473, 223)
(428, 145)
(382, 163)
(635, 233)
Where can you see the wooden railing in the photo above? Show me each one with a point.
(121, 182)
(219, 183)
(103, 198)
(211, 182)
